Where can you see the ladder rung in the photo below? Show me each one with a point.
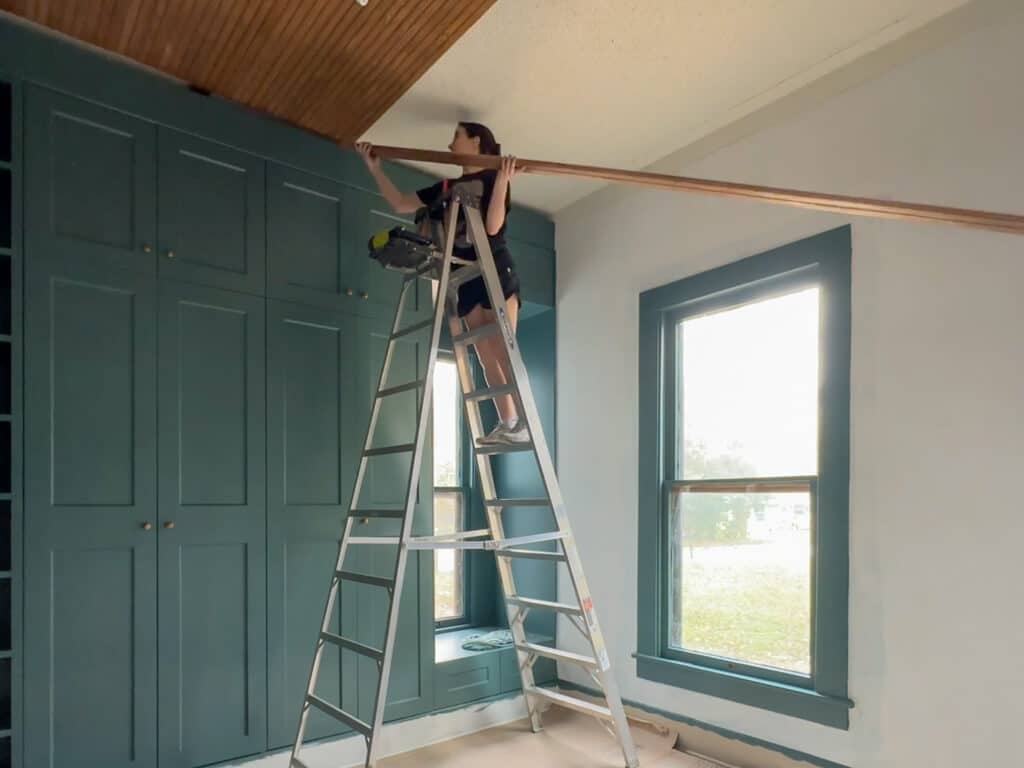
(362, 578)
(400, 388)
(412, 328)
(490, 392)
(517, 503)
(529, 602)
(391, 540)
(403, 448)
(530, 554)
(571, 702)
(533, 538)
(451, 541)
(557, 655)
(379, 513)
(352, 645)
(471, 337)
(490, 450)
(352, 722)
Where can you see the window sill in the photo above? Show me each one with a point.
(448, 643)
(785, 699)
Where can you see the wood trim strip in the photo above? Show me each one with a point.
(844, 204)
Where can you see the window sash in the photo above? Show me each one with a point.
(462, 562)
(672, 410)
(801, 484)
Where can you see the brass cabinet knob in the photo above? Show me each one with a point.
(170, 254)
(147, 526)
(348, 291)
(147, 248)
(364, 520)
(169, 524)
(364, 295)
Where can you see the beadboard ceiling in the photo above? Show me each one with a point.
(331, 66)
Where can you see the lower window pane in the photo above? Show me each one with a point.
(740, 579)
(448, 563)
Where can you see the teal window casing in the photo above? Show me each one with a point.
(824, 261)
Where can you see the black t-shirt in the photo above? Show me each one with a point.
(435, 197)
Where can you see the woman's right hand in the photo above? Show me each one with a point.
(365, 149)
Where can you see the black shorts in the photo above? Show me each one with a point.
(474, 293)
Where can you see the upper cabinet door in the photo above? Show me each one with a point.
(211, 214)
(91, 189)
(365, 215)
(305, 232)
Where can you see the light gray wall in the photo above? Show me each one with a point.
(937, 522)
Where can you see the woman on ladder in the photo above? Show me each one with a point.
(474, 306)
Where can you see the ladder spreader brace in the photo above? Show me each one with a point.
(450, 272)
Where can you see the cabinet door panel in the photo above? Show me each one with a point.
(90, 560)
(212, 596)
(211, 214)
(91, 192)
(310, 471)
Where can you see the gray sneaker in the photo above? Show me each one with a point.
(516, 434)
(494, 436)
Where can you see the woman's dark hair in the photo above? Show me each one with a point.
(488, 144)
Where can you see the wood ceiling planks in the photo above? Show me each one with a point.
(330, 66)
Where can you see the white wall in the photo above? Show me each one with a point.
(937, 520)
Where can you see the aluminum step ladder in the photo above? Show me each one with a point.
(580, 613)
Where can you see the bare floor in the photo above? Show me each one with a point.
(569, 740)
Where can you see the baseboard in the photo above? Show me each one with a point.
(401, 736)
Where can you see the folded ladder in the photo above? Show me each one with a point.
(580, 612)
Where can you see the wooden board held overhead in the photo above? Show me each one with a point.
(852, 206)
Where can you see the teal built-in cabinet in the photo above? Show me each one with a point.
(191, 337)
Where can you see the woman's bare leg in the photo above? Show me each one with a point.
(491, 353)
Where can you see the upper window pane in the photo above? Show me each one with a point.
(747, 389)
(446, 425)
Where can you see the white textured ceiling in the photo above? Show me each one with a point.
(623, 83)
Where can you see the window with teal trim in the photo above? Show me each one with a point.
(744, 480)
(451, 585)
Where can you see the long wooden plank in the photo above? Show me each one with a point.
(853, 206)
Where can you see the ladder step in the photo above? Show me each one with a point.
(403, 448)
(400, 388)
(517, 503)
(490, 450)
(389, 540)
(352, 722)
(352, 645)
(378, 513)
(531, 554)
(571, 702)
(557, 655)
(529, 602)
(451, 541)
(533, 538)
(471, 337)
(362, 578)
(488, 393)
(412, 329)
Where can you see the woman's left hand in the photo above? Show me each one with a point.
(509, 169)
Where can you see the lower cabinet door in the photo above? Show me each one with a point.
(212, 526)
